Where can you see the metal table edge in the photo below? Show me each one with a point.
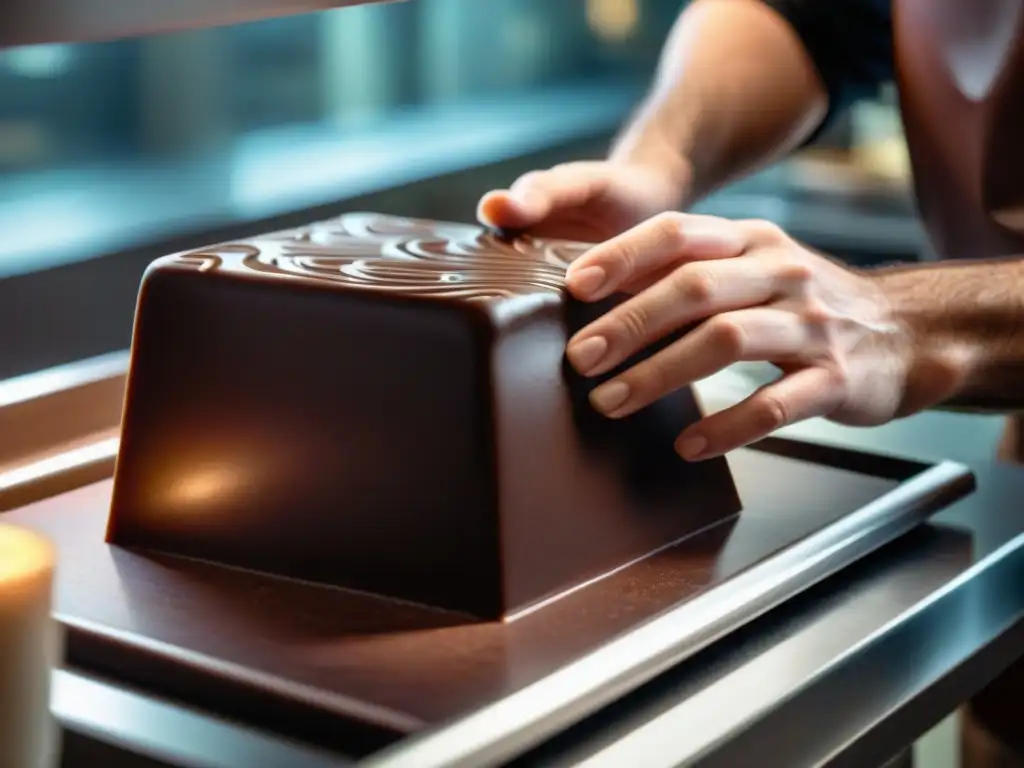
(169, 732)
(510, 727)
(871, 701)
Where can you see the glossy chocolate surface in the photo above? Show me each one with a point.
(309, 659)
(961, 74)
(383, 404)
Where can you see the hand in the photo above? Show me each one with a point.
(588, 201)
(756, 295)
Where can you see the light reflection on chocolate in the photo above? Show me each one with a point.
(400, 255)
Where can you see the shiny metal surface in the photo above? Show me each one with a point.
(499, 732)
(163, 731)
(26, 22)
(853, 701)
(39, 477)
(59, 428)
(42, 412)
(850, 677)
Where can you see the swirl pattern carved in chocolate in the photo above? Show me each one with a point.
(408, 256)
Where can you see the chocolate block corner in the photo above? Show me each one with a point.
(326, 404)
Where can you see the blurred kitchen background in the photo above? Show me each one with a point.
(114, 153)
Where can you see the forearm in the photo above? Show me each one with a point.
(735, 90)
(966, 323)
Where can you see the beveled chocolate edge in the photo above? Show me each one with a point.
(503, 730)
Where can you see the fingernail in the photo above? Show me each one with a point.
(587, 353)
(587, 281)
(609, 397)
(692, 447)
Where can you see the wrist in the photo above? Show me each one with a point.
(939, 363)
(648, 147)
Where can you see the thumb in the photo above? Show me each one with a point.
(505, 209)
(539, 195)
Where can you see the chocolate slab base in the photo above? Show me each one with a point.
(339, 667)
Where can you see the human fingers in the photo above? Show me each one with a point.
(804, 394)
(762, 333)
(651, 246)
(538, 195)
(690, 293)
(633, 287)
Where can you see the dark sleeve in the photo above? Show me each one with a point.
(850, 42)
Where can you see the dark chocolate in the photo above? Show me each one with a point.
(382, 404)
(507, 235)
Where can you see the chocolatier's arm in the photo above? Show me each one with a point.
(967, 321)
(742, 82)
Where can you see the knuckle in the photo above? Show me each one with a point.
(670, 227)
(657, 379)
(838, 378)
(622, 258)
(694, 284)
(727, 336)
(796, 273)
(764, 232)
(817, 315)
(633, 322)
(770, 414)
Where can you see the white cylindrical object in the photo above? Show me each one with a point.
(30, 647)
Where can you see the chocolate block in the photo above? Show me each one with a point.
(382, 404)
